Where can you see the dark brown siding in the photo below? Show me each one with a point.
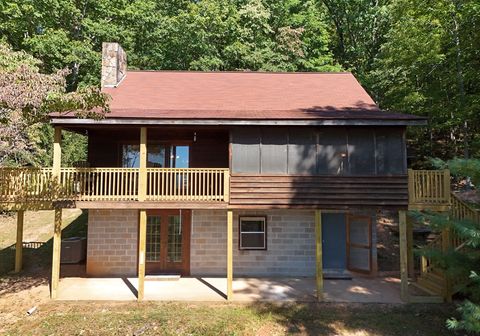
(324, 192)
(208, 148)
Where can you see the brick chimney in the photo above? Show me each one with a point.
(114, 64)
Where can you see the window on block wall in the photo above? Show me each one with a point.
(253, 233)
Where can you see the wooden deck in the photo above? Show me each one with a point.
(205, 188)
(32, 188)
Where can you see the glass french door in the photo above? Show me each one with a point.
(168, 242)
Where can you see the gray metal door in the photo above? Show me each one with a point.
(334, 237)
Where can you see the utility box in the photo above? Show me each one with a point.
(74, 250)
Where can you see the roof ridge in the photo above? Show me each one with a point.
(247, 72)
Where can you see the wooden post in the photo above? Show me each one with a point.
(411, 187)
(226, 185)
(446, 246)
(57, 239)
(229, 255)
(19, 243)
(142, 177)
(318, 254)
(57, 152)
(446, 185)
(142, 233)
(402, 227)
(411, 265)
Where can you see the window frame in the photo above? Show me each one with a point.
(262, 218)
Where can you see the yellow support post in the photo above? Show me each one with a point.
(318, 254)
(142, 177)
(57, 152)
(229, 255)
(411, 265)
(19, 243)
(402, 226)
(446, 185)
(142, 232)
(57, 239)
(411, 187)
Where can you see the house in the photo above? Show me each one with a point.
(236, 173)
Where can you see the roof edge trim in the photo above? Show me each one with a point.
(233, 122)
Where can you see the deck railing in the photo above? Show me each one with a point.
(25, 184)
(428, 188)
(190, 184)
(100, 184)
(113, 184)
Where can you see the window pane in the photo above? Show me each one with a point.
(153, 238)
(131, 156)
(179, 156)
(253, 240)
(156, 156)
(174, 239)
(252, 225)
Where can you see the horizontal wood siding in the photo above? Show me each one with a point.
(327, 192)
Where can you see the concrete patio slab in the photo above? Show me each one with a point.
(381, 290)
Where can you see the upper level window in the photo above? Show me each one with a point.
(158, 156)
(253, 233)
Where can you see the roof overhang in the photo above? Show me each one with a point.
(235, 122)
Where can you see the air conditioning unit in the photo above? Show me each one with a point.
(74, 250)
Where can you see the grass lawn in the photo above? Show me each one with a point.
(97, 318)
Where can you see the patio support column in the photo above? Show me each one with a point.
(57, 238)
(411, 265)
(318, 254)
(402, 228)
(142, 233)
(57, 152)
(229, 255)
(142, 175)
(57, 224)
(19, 243)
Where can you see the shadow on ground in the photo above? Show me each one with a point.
(357, 318)
(36, 261)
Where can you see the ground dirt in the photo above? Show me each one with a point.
(388, 249)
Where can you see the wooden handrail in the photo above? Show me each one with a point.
(114, 184)
(429, 187)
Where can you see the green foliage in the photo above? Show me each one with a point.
(461, 168)
(427, 66)
(27, 98)
(461, 263)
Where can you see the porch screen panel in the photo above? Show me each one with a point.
(246, 150)
(390, 151)
(332, 151)
(302, 150)
(361, 151)
(273, 154)
(359, 243)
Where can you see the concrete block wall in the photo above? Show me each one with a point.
(112, 242)
(290, 244)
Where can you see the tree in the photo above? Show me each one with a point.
(28, 97)
(427, 66)
(464, 263)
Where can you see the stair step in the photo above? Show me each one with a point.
(433, 286)
(425, 299)
(440, 279)
(424, 289)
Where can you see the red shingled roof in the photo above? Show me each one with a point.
(243, 95)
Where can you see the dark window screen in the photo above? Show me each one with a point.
(361, 151)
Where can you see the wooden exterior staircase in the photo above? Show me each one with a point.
(428, 195)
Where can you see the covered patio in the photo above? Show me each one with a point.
(358, 289)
